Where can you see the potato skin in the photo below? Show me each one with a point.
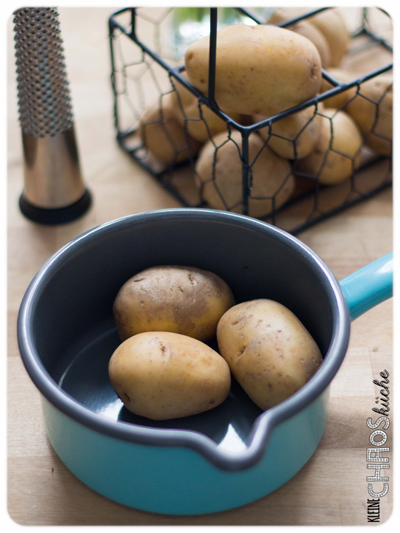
(164, 137)
(162, 375)
(307, 30)
(363, 111)
(269, 351)
(331, 24)
(260, 69)
(178, 299)
(300, 130)
(272, 175)
(330, 166)
(340, 100)
(199, 127)
(312, 33)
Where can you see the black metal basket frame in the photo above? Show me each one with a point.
(245, 130)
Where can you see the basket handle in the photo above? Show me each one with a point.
(369, 286)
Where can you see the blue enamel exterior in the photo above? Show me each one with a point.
(369, 286)
(177, 480)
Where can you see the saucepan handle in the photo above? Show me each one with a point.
(369, 286)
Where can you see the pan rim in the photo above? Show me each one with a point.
(199, 442)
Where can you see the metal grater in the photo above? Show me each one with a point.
(54, 191)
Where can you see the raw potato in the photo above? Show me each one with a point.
(162, 375)
(331, 24)
(178, 299)
(312, 33)
(164, 137)
(375, 119)
(271, 175)
(260, 69)
(269, 351)
(200, 127)
(309, 31)
(300, 130)
(340, 100)
(330, 166)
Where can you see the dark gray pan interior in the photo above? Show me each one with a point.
(74, 328)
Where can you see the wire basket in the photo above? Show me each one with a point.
(152, 73)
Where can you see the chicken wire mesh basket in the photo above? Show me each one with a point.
(254, 165)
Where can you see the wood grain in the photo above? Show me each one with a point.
(331, 488)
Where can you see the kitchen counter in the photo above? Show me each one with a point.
(331, 488)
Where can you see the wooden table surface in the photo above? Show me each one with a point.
(331, 489)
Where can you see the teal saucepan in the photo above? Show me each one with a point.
(230, 455)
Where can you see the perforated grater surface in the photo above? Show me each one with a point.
(54, 191)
